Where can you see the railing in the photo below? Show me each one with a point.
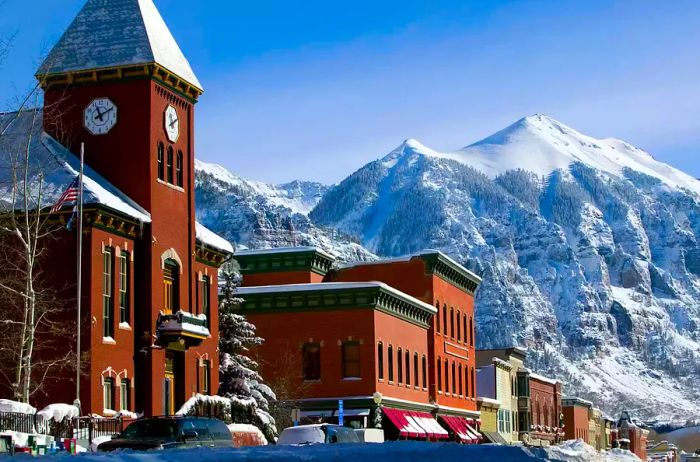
(80, 428)
(182, 324)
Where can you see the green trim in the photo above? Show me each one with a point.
(374, 298)
(309, 260)
(436, 263)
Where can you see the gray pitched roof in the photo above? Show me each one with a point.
(116, 33)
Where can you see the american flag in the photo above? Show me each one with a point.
(70, 195)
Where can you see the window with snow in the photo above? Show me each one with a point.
(124, 395)
(124, 289)
(108, 393)
(351, 360)
(171, 291)
(311, 354)
(107, 300)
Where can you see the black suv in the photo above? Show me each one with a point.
(171, 432)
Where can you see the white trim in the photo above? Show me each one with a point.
(170, 254)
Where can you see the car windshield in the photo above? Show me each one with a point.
(164, 429)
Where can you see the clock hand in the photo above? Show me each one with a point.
(99, 114)
(172, 122)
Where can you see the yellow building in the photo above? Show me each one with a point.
(489, 418)
(519, 409)
(596, 429)
(493, 382)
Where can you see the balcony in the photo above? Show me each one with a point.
(181, 330)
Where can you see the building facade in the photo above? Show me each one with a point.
(545, 409)
(576, 424)
(409, 358)
(149, 279)
(494, 384)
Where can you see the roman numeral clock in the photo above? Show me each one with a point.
(100, 116)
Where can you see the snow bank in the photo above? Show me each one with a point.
(579, 451)
(191, 403)
(7, 405)
(387, 452)
(58, 412)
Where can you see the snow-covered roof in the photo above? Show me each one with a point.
(544, 379)
(486, 400)
(58, 166)
(208, 237)
(283, 250)
(324, 286)
(116, 33)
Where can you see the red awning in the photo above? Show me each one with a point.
(406, 428)
(432, 427)
(413, 424)
(457, 426)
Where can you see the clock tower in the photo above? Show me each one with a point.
(118, 82)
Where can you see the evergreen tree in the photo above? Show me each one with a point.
(239, 378)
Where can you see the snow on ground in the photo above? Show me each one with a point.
(387, 452)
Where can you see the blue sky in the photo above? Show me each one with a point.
(315, 89)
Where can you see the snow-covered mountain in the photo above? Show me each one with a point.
(589, 251)
(258, 215)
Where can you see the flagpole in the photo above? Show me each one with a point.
(80, 274)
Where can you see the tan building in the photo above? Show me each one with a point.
(520, 421)
(494, 383)
(596, 430)
(489, 417)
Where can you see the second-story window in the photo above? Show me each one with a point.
(408, 367)
(399, 362)
(447, 376)
(171, 290)
(459, 327)
(124, 288)
(390, 357)
(444, 319)
(460, 375)
(179, 166)
(424, 369)
(452, 323)
(206, 298)
(415, 369)
(161, 161)
(437, 317)
(380, 360)
(439, 374)
(311, 360)
(351, 360)
(169, 165)
(107, 299)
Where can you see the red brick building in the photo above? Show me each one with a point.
(367, 329)
(576, 413)
(118, 82)
(545, 409)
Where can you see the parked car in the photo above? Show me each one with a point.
(317, 434)
(171, 432)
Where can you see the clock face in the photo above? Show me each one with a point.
(172, 124)
(100, 116)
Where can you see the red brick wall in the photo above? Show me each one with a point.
(576, 422)
(283, 277)
(545, 403)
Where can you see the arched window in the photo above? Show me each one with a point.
(380, 360)
(452, 322)
(169, 165)
(171, 286)
(454, 378)
(437, 317)
(399, 362)
(425, 372)
(459, 327)
(466, 332)
(471, 331)
(460, 380)
(408, 368)
(107, 294)
(415, 370)
(466, 381)
(179, 169)
(161, 162)
(447, 376)
(439, 374)
(444, 319)
(390, 357)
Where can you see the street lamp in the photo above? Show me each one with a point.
(377, 397)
